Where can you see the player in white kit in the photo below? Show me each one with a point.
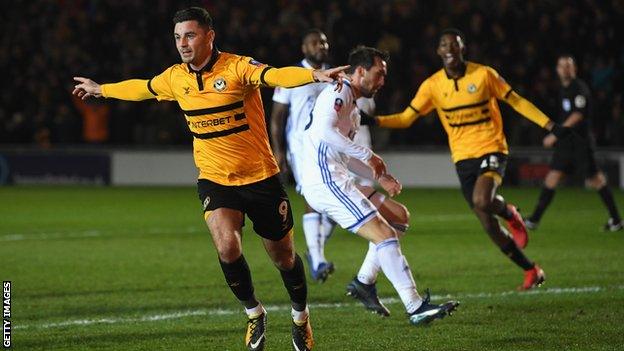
(289, 116)
(330, 189)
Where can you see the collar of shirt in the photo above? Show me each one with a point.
(208, 67)
(347, 83)
(462, 72)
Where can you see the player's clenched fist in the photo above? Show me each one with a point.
(390, 184)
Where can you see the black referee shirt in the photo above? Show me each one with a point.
(576, 97)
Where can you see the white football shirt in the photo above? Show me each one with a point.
(328, 140)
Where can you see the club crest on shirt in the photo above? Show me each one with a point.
(338, 103)
(219, 84)
(472, 88)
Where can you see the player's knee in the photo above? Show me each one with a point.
(228, 254)
(229, 250)
(387, 232)
(284, 262)
(403, 215)
(597, 181)
(401, 222)
(482, 203)
(552, 179)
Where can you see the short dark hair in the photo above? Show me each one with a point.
(364, 56)
(311, 31)
(567, 56)
(453, 31)
(198, 14)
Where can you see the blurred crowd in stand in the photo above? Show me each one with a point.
(45, 43)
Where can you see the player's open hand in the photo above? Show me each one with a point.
(86, 88)
(331, 75)
(390, 184)
(378, 165)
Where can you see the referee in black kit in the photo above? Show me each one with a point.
(575, 151)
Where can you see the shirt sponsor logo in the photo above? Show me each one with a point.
(338, 103)
(209, 122)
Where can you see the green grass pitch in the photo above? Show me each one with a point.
(135, 269)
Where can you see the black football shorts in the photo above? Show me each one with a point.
(574, 154)
(265, 203)
(470, 169)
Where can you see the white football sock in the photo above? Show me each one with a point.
(327, 228)
(395, 267)
(370, 267)
(300, 317)
(312, 232)
(255, 311)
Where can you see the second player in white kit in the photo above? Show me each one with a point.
(330, 189)
(289, 117)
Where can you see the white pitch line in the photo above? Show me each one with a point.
(90, 234)
(50, 236)
(336, 305)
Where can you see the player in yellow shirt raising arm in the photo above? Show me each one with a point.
(220, 97)
(464, 95)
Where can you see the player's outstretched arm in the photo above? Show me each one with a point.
(290, 77)
(330, 75)
(397, 120)
(527, 109)
(131, 90)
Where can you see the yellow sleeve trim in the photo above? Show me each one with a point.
(527, 109)
(131, 90)
(399, 120)
(287, 77)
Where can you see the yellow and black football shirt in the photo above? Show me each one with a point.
(223, 111)
(468, 109)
